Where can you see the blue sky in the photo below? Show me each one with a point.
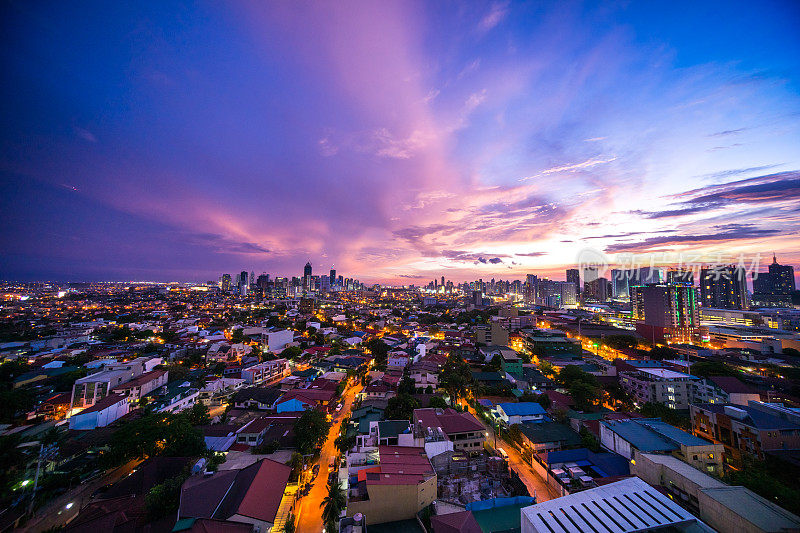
(396, 141)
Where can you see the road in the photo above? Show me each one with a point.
(55, 512)
(533, 481)
(309, 512)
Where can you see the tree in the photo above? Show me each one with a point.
(547, 369)
(495, 364)
(456, 377)
(310, 431)
(670, 416)
(401, 407)
(438, 402)
(589, 441)
(585, 395)
(571, 374)
(332, 506)
(198, 415)
(163, 499)
(620, 342)
(172, 435)
(406, 385)
(296, 464)
(618, 397)
(344, 442)
(706, 369)
(542, 399)
(292, 352)
(659, 353)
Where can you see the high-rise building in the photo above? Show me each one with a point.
(333, 277)
(597, 290)
(252, 277)
(680, 275)
(307, 277)
(574, 276)
(262, 281)
(619, 284)
(225, 283)
(782, 277)
(665, 311)
(531, 289)
(723, 287)
(590, 273)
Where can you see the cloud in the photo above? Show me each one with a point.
(738, 171)
(727, 133)
(728, 233)
(496, 14)
(86, 135)
(532, 254)
(589, 163)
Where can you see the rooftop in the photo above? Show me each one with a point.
(625, 506)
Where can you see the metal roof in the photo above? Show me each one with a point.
(625, 506)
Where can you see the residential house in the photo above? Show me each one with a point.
(265, 372)
(402, 484)
(519, 413)
(100, 414)
(548, 436)
(462, 429)
(723, 389)
(251, 495)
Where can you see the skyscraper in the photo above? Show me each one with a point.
(782, 277)
(619, 284)
(333, 277)
(723, 287)
(225, 283)
(307, 277)
(574, 276)
(665, 311)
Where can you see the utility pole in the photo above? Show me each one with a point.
(36, 479)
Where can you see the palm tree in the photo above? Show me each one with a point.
(332, 506)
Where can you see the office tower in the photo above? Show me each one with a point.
(569, 293)
(262, 281)
(782, 277)
(252, 277)
(531, 289)
(574, 277)
(443, 281)
(723, 287)
(341, 280)
(619, 284)
(225, 283)
(477, 298)
(680, 275)
(597, 290)
(590, 274)
(333, 277)
(307, 277)
(774, 288)
(325, 283)
(665, 312)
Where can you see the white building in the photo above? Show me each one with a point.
(266, 371)
(276, 341)
(102, 413)
(659, 385)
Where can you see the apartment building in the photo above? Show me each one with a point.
(402, 483)
(747, 430)
(143, 385)
(462, 429)
(659, 385)
(723, 389)
(266, 371)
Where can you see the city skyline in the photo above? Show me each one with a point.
(399, 142)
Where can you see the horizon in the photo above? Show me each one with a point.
(400, 141)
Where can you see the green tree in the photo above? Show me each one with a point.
(406, 385)
(495, 364)
(401, 407)
(547, 369)
(620, 342)
(345, 441)
(164, 498)
(310, 431)
(585, 395)
(670, 416)
(571, 374)
(542, 399)
(659, 353)
(589, 441)
(332, 506)
(198, 415)
(706, 369)
(296, 464)
(438, 402)
(456, 377)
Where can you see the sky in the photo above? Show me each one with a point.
(395, 141)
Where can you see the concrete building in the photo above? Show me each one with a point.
(665, 312)
(723, 389)
(625, 506)
(519, 413)
(651, 435)
(462, 429)
(397, 488)
(276, 340)
(721, 506)
(747, 430)
(103, 412)
(266, 371)
(143, 385)
(659, 385)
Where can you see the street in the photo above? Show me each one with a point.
(309, 513)
(536, 485)
(55, 513)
